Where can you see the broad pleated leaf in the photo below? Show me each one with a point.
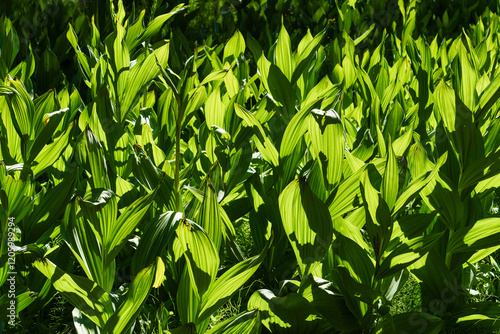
(488, 98)
(378, 218)
(150, 177)
(215, 109)
(202, 259)
(23, 299)
(482, 315)
(283, 54)
(291, 314)
(263, 143)
(292, 146)
(247, 322)
(80, 292)
(83, 241)
(157, 235)
(483, 234)
(154, 26)
(135, 298)
(50, 208)
(390, 180)
(307, 223)
(211, 220)
(332, 306)
(234, 47)
(327, 139)
(51, 152)
(418, 184)
(458, 122)
(125, 225)
(225, 286)
(412, 322)
(303, 58)
(50, 125)
(407, 253)
(277, 84)
(141, 75)
(90, 154)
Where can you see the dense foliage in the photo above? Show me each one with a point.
(249, 167)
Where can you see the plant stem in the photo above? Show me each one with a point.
(448, 254)
(177, 165)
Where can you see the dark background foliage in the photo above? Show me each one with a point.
(44, 23)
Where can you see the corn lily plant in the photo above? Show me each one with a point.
(352, 169)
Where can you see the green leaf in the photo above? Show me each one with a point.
(141, 76)
(196, 99)
(83, 241)
(479, 170)
(378, 221)
(412, 226)
(225, 286)
(201, 256)
(331, 305)
(277, 84)
(466, 77)
(134, 31)
(23, 299)
(211, 220)
(214, 109)
(327, 143)
(441, 194)
(234, 47)
(307, 223)
(100, 208)
(119, 59)
(283, 54)
(418, 184)
(481, 315)
(51, 123)
(50, 208)
(214, 76)
(418, 162)
(407, 253)
(488, 99)
(304, 57)
(390, 180)
(150, 176)
(360, 38)
(9, 41)
(80, 292)
(125, 225)
(292, 148)
(485, 233)
(90, 154)
(248, 322)
(157, 235)
(411, 322)
(22, 112)
(264, 144)
(155, 25)
(51, 152)
(82, 59)
(136, 296)
(347, 196)
(354, 258)
(291, 314)
(401, 144)
(188, 328)
(458, 123)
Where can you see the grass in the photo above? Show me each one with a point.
(408, 298)
(55, 318)
(228, 310)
